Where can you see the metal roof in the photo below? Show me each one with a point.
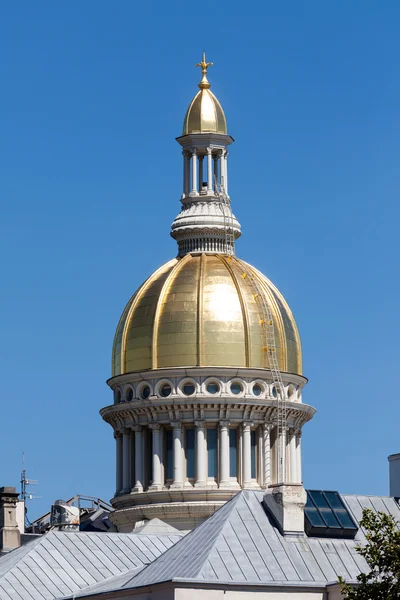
(60, 564)
(241, 544)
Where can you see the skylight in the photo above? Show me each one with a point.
(327, 516)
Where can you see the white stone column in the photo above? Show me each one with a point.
(156, 467)
(281, 457)
(267, 427)
(223, 169)
(194, 173)
(186, 172)
(215, 168)
(126, 461)
(201, 158)
(138, 458)
(210, 185)
(178, 462)
(224, 454)
(292, 457)
(201, 458)
(247, 454)
(118, 466)
(298, 457)
(226, 173)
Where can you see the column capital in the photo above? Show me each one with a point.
(186, 153)
(176, 424)
(137, 428)
(117, 435)
(298, 433)
(194, 151)
(200, 424)
(224, 424)
(155, 426)
(268, 426)
(126, 431)
(209, 150)
(247, 424)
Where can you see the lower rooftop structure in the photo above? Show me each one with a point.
(238, 551)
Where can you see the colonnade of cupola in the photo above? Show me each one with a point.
(205, 171)
(181, 436)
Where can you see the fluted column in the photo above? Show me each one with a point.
(292, 457)
(247, 454)
(298, 456)
(209, 172)
(138, 458)
(126, 461)
(224, 454)
(267, 427)
(194, 173)
(201, 462)
(156, 467)
(178, 462)
(118, 466)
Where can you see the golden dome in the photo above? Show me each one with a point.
(205, 114)
(197, 311)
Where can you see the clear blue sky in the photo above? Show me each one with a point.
(93, 95)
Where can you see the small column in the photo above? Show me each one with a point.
(216, 167)
(118, 466)
(201, 464)
(299, 475)
(186, 172)
(138, 458)
(209, 172)
(223, 169)
(194, 173)
(157, 484)
(126, 461)
(281, 455)
(267, 427)
(201, 158)
(224, 454)
(292, 457)
(226, 172)
(178, 462)
(247, 454)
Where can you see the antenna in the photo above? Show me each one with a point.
(24, 493)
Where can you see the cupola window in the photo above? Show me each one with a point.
(166, 390)
(257, 390)
(213, 387)
(145, 392)
(188, 389)
(236, 388)
(129, 395)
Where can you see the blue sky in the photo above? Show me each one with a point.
(93, 95)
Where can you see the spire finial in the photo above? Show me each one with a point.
(204, 83)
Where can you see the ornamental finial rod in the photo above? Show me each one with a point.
(204, 83)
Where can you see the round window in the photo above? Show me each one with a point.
(166, 390)
(236, 388)
(257, 389)
(129, 395)
(274, 392)
(188, 389)
(213, 387)
(145, 392)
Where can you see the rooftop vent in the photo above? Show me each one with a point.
(327, 516)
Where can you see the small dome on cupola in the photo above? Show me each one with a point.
(205, 114)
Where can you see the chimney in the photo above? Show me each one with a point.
(10, 537)
(286, 502)
(394, 475)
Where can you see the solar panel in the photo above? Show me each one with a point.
(326, 515)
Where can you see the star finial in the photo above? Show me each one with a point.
(204, 83)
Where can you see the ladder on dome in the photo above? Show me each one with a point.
(267, 330)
